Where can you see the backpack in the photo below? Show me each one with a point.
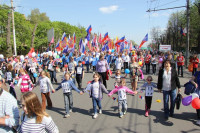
(189, 88)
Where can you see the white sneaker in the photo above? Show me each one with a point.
(124, 112)
(120, 116)
(70, 111)
(66, 116)
(198, 122)
(100, 111)
(95, 116)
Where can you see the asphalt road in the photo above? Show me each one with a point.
(80, 121)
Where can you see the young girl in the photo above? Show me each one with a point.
(153, 63)
(67, 85)
(96, 88)
(122, 102)
(34, 118)
(9, 76)
(24, 81)
(117, 78)
(45, 86)
(148, 93)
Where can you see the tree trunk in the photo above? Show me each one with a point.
(9, 46)
(33, 35)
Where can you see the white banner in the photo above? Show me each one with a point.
(165, 47)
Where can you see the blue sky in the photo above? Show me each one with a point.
(117, 17)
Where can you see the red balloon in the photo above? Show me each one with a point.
(89, 82)
(196, 103)
(83, 62)
(66, 65)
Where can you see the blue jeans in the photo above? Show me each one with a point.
(68, 99)
(122, 106)
(96, 102)
(166, 95)
(88, 67)
(53, 76)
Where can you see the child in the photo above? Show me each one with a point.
(24, 81)
(117, 78)
(79, 74)
(67, 85)
(96, 88)
(9, 76)
(94, 62)
(148, 94)
(45, 86)
(34, 119)
(122, 102)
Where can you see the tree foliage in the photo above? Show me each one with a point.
(176, 22)
(24, 27)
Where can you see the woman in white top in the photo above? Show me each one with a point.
(153, 63)
(118, 63)
(34, 119)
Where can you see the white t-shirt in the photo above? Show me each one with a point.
(126, 58)
(121, 94)
(118, 63)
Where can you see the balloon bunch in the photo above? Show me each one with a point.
(193, 99)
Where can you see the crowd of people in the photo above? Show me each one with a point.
(32, 70)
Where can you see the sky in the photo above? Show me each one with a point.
(117, 17)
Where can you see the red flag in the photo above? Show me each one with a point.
(52, 41)
(131, 47)
(100, 38)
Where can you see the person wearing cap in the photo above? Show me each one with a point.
(9, 113)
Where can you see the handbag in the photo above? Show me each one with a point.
(178, 101)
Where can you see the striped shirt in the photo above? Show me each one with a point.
(25, 81)
(29, 125)
(8, 107)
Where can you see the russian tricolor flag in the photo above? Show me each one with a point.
(89, 29)
(182, 32)
(144, 40)
(105, 37)
(82, 46)
(74, 36)
(120, 41)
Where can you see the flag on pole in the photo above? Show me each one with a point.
(144, 40)
(64, 40)
(105, 37)
(100, 38)
(82, 46)
(65, 50)
(105, 47)
(52, 41)
(89, 29)
(182, 32)
(74, 36)
(117, 44)
(131, 46)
